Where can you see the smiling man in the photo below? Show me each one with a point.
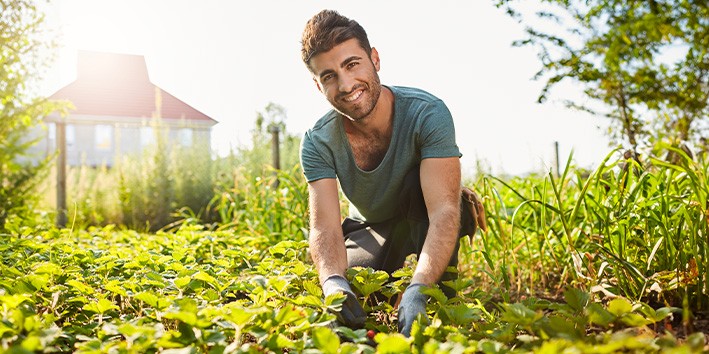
(393, 151)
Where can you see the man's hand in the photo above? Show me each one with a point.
(412, 305)
(477, 209)
(352, 314)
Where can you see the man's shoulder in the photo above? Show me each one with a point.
(325, 124)
(413, 93)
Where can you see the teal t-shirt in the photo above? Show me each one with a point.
(423, 128)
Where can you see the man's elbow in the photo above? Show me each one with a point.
(448, 215)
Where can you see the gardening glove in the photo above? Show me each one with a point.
(476, 209)
(352, 314)
(413, 304)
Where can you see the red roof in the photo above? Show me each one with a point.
(111, 84)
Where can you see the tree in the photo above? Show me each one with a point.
(646, 62)
(256, 158)
(22, 50)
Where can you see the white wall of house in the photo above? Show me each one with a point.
(98, 141)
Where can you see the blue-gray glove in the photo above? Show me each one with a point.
(413, 304)
(352, 314)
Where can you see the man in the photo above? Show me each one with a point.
(393, 151)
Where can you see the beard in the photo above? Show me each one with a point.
(372, 89)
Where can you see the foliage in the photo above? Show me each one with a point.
(104, 291)
(163, 180)
(166, 186)
(646, 61)
(145, 191)
(276, 204)
(22, 55)
(622, 230)
(618, 251)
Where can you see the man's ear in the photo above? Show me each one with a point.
(375, 58)
(317, 84)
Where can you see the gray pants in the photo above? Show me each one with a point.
(386, 245)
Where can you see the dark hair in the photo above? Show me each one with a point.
(326, 30)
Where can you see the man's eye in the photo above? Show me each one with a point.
(326, 77)
(352, 64)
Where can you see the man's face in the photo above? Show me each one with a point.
(348, 78)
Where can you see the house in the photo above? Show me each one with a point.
(117, 111)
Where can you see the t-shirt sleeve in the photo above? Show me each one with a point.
(314, 165)
(437, 135)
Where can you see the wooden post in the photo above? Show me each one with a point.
(61, 174)
(556, 159)
(275, 148)
(275, 152)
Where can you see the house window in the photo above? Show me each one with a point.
(147, 137)
(51, 131)
(186, 137)
(70, 131)
(104, 137)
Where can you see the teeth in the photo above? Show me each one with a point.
(353, 97)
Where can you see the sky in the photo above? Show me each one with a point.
(229, 59)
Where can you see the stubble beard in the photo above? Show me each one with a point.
(372, 90)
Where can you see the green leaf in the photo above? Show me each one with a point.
(278, 284)
(367, 280)
(288, 314)
(312, 288)
(392, 343)
(559, 327)
(620, 306)
(634, 320)
(148, 298)
(490, 346)
(80, 287)
(598, 315)
(576, 298)
(13, 301)
(203, 276)
(309, 300)
(239, 315)
(101, 306)
(189, 318)
(182, 282)
(435, 293)
(459, 284)
(519, 314)
(48, 268)
(461, 314)
(325, 340)
(115, 287)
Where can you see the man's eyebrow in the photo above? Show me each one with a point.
(349, 60)
(325, 72)
(342, 65)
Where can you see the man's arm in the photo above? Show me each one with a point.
(327, 247)
(327, 244)
(440, 183)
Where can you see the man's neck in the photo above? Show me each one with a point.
(379, 120)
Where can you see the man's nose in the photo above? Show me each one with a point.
(346, 82)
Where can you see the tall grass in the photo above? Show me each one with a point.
(145, 192)
(627, 229)
(274, 204)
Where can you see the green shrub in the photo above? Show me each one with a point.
(22, 55)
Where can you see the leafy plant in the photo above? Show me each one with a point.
(22, 57)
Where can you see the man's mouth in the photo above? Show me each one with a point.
(354, 96)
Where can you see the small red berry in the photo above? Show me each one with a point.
(371, 334)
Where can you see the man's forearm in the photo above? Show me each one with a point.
(439, 246)
(328, 252)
